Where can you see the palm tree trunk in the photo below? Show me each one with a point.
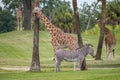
(35, 66)
(77, 22)
(101, 38)
(27, 14)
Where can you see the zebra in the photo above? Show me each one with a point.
(73, 55)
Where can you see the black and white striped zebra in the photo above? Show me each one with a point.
(73, 55)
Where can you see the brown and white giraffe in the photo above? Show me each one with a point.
(59, 38)
(110, 42)
(19, 16)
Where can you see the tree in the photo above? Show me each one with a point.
(77, 20)
(89, 14)
(35, 66)
(11, 5)
(101, 38)
(113, 12)
(63, 17)
(7, 21)
(27, 14)
(59, 13)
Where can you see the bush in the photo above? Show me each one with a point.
(96, 30)
(7, 21)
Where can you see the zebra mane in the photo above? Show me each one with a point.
(87, 44)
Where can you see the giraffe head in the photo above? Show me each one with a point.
(36, 10)
(35, 4)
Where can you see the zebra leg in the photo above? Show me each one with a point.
(80, 63)
(74, 65)
(57, 66)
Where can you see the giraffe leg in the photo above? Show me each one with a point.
(107, 52)
(20, 24)
(17, 25)
(113, 53)
(112, 56)
(54, 44)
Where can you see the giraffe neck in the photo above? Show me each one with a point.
(49, 26)
(19, 6)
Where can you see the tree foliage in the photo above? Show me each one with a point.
(63, 17)
(59, 13)
(27, 14)
(113, 12)
(11, 5)
(89, 14)
(7, 21)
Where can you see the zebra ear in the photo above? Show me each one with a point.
(88, 44)
(91, 45)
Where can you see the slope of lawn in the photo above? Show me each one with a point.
(16, 50)
(16, 47)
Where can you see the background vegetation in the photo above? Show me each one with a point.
(16, 47)
(61, 14)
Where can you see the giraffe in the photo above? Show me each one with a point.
(59, 38)
(110, 42)
(19, 16)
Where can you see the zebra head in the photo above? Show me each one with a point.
(90, 50)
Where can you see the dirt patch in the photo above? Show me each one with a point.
(21, 68)
(26, 68)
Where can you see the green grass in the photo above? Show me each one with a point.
(16, 50)
(112, 74)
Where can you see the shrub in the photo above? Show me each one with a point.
(7, 21)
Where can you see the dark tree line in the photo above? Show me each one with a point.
(61, 14)
(7, 21)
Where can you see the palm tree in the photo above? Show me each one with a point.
(113, 12)
(101, 38)
(77, 22)
(27, 14)
(35, 65)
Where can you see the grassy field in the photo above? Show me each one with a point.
(112, 74)
(16, 51)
